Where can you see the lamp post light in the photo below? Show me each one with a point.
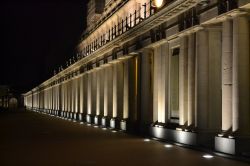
(158, 3)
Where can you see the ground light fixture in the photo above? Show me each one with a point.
(114, 131)
(146, 140)
(168, 146)
(158, 3)
(207, 156)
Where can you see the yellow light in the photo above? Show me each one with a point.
(158, 3)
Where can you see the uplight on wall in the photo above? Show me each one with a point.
(158, 3)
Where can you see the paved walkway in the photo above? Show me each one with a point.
(29, 138)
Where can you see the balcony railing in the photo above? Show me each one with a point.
(133, 19)
(146, 10)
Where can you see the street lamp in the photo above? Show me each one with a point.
(158, 3)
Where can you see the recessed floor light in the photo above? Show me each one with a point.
(168, 146)
(207, 156)
(114, 131)
(146, 140)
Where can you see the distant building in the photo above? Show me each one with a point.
(9, 98)
(176, 69)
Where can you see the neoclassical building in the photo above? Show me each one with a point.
(175, 69)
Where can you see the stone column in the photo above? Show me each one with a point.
(183, 78)
(156, 83)
(73, 85)
(68, 97)
(47, 99)
(209, 79)
(133, 81)
(202, 79)
(85, 93)
(241, 87)
(191, 80)
(214, 91)
(160, 83)
(126, 90)
(93, 92)
(58, 98)
(227, 55)
(99, 92)
(49, 90)
(64, 96)
(115, 79)
(117, 89)
(108, 91)
(76, 94)
(89, 93)
(50, 98)
(55, 98)
(81, 94)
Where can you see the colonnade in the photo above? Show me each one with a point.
(197, 82)
(103, 92)
(208, 80)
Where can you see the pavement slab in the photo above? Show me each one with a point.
(29, 138)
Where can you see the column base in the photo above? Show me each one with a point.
(183, 137)
(123, 125)
(65, 114)
(233, 146)
(89, 118)
(114, 123)
(82, 117)
(105, 121)
(62, 114)
(58, 113)
(97, 120)
(75, 115)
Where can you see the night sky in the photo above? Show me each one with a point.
(36, 38)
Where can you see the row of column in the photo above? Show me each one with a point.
(103, 92)
(200, 80)
(213, 76)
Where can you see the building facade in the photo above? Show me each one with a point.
(176, 69)
(9, 98)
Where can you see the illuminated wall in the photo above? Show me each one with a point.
(183, 68)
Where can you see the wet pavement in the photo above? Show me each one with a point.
(29, 138)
